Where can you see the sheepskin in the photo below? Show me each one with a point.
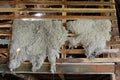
(36, 40)
(92, 35)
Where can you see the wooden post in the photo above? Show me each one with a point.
(63, 55)
(113, 77)
(117, 72)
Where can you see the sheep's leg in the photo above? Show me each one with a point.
(52, 59)
(38, 63)
(90, 52)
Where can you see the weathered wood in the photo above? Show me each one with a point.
(5, 32)
(68, 17)
(89, 3)
(5, 25)
(67, 2)
(41, 2)
(117, 71)
(79, 60)
(86, 10)
(3, 50)
(67, 68)
(58, 9)
(113, 77)
(73, 51)
(2, 3)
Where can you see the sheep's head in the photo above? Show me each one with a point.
(15, 60)
(13, 64)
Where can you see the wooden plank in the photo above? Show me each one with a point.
(66, 68)
(5, 32)
(57, 9)
(79, 60)
(112, 42)
(5, 25)
(2, 3)
(66, 3)
(113, 76)
(89, 3)
(6, 17)
(68, 17)
(8, 9)
(68, 9)
(3, 50)
(117, 71)
(73, 51)
(41, 2)
(5, 35)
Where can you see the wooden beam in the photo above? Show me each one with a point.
(8, 9)
(2, 3)
(113, 77)
(79, 60)
(68, 17)
(5, 25)
(2, 50)
(87, 10)
(117, 71)
(73, 51)
(89, 3)
(66, 68)
(41, 2)
(5, 34)
(66, 3)
(57, 9)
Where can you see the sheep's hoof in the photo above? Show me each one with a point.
(34, 69)
(11, 70)
(53, 69)
(91, 57)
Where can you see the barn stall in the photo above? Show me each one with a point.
(20, 24)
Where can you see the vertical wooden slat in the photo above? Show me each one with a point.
(63, 55)
(16, 6)
(113, 77)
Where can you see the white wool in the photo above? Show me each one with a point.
(57, 35)
(34, 41)
(92, 34)
(25, 39)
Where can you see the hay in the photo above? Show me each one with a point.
(92, 34)
(34, 41)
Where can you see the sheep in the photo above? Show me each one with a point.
(57, 35)
(27, 45)
(92, 35)
(34, 41)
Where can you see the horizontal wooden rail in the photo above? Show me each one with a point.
(66, 68)
(66, 3)
(73, 51)
(88, 3)
(2, 3)
(68, 17)
(82, 60)
(57, 10)
(41, 2)
(5, 25)
(3, 50)
(68, 10)
(5, 32)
